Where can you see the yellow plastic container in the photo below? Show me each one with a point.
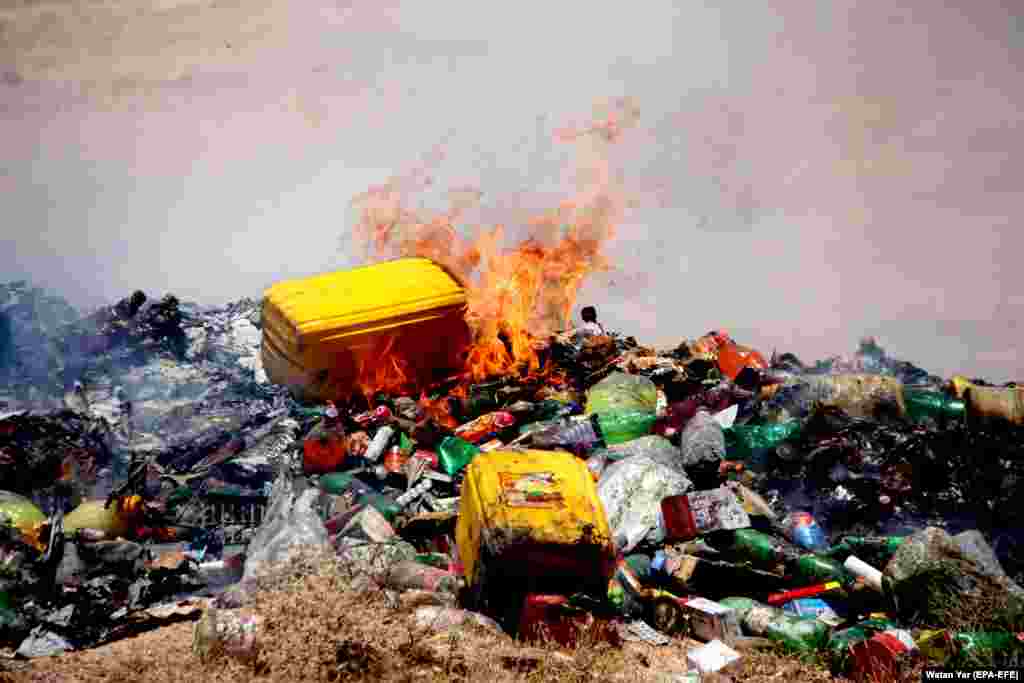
(324, 336)
(95, 514)
(23, 515)
(995, 404)
(531, 518)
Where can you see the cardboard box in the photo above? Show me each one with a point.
(710, 620)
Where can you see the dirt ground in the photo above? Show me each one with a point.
(316, 627)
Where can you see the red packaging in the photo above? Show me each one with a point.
(429, 456)
(550, 617)
(485, 426)
(782, 598)
(378, 415)
(732, 358)
(883, 657)
(679, 522)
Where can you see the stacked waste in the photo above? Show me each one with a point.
(707, 492)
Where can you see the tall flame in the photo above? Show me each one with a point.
(516, 295)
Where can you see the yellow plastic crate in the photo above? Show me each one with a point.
(319, 331)
(529, 518)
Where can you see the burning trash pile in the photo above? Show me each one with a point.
(436, 422)
(586, 484)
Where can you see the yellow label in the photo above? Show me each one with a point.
(831, 585)
(532, 490)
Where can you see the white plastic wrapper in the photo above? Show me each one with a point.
(290, 522)
(631, 491)
(712, 657)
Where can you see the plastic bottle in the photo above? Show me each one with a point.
(796, 633)
(753, 443)
(882, 547)
(803, 529)
(485, 427)
(871, 576)
(815, 569)
(758, 547)
(409, 575)
(379, 444)
(923, 405)
(453, 454)
(413, 493)
(975, 642)
(641, 566)
(576, 435)
(551, 409)
(596, 464)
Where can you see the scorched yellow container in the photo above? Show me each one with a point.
(319, 332)
(532, 519)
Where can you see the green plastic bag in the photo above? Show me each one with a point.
(453, 454)
(625, 426)
(622, 393)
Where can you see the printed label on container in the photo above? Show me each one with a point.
(532, 490)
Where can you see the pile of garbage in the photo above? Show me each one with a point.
(847, 508)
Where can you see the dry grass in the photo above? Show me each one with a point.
(317, 627)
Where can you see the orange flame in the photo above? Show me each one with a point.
(516, 296)
(383, 370)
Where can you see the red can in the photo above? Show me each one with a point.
(395, 459)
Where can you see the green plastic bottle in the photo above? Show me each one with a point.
(453, 454)
(404, 443)
(803, 634)
(976, 642)
(757, 547)
(339, 483)
(385, 505)
(8, 616)
(812, 569)
(882, 547)
(641, 566)
(753, 443)
(620, 427)
(438, 560)
(922, 404)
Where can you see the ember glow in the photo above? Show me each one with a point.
(518, 294)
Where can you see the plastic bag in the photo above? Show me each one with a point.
(657, 448)
(857, 395)
(702, 440)
(291, 521)
(622, 393)
(631, 491)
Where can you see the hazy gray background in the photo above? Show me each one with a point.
(810, 171)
